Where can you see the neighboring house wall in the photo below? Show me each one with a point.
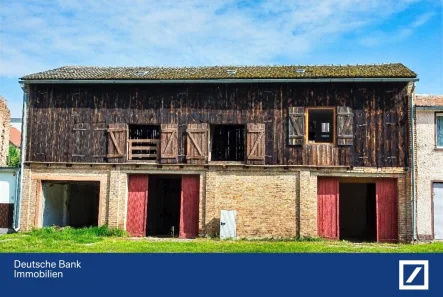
(8, 190)
(4, 131)
(429, 162)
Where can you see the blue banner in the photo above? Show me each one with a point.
(83, 275)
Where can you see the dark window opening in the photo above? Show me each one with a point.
(320, 125)
(143, 142)
(163, 217)
(357, 212)
(73, 204)
(228, 143)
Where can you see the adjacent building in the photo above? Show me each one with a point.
(265, 151)
(429, 169)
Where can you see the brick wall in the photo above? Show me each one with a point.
(271, 202)
(265, 202)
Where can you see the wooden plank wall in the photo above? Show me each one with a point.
(380, 118)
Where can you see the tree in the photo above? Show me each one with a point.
(13, 156)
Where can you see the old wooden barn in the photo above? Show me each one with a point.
(260, 151)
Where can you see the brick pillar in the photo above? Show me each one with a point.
(26, 196)
(114, 200)
(308, 205)
(404, 209)
(212, 220)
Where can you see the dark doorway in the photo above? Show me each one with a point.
(163, 218)
(228, 142)
(357, 211)
(73, 204)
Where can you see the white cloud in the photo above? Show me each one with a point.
(380, 37)
(36, 36)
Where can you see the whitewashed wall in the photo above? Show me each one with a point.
(429, 168)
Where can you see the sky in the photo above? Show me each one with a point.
(42, 35)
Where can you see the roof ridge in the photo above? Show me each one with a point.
(232, 65)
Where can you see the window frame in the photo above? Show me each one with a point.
(334, 125)
(211, 140)
(437, 115)
(129, 157)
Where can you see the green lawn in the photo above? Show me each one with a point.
(98, 240)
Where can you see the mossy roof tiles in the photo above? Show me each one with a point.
(394, 70)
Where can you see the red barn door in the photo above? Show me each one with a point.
(386, 203)
(137, 205)
(189, 206)
(328, 208)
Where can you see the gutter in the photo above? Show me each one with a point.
(413, 202)
(214, 81)
(17, 210)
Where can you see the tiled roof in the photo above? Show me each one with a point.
(395, 70)
(428, 100)
(15, 136)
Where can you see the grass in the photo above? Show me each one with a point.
(110, 240)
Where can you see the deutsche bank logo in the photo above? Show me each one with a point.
(413, 274)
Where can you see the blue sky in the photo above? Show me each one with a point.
(42, 35)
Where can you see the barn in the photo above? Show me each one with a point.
(230, 151)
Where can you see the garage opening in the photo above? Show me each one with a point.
(73, 204)
(357, 211)
(163, 217)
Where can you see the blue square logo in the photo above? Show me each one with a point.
(414, 275)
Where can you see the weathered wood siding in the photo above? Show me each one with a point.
(67, 123)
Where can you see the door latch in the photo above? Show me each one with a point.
(221, 223)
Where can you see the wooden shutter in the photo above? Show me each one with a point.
(387, 212)
(116, 141)
(99, 142)
(345, 126)
(80, 141)
(255, 144)
(137, 205)
(197, 143)
(296, 125)
(189, 206)
(169, 143)
(328, 208)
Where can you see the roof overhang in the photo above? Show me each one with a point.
(218, 81)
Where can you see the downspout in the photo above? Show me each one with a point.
(413, 202)
(18, 200)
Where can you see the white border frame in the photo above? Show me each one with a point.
(402, 263)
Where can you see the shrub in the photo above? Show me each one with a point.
(13, 156)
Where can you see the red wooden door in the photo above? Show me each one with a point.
(328, 208)
(189, 206)
(137, 205)
(386, 203)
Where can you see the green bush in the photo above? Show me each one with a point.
(13, 156)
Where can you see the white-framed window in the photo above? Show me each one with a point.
(439, 130)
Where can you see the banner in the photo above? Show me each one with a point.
(221, 275)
